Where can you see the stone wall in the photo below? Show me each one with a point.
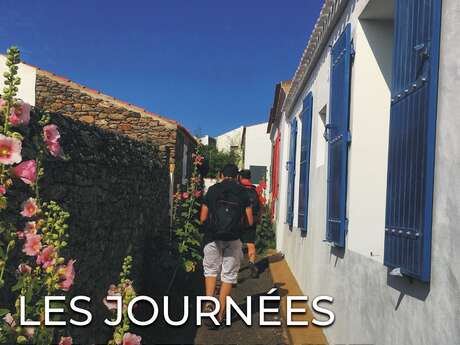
(58, 95)
(117, 191)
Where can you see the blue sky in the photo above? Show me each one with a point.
(211, 65)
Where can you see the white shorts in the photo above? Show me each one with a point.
(223, 257)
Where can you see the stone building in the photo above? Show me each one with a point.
(53, 93)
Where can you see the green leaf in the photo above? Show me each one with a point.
(3, 312)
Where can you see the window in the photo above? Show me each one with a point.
(185, 160)
(258, 173)
(338, 137)
(412, 137)
(305, 161)
(290, 165)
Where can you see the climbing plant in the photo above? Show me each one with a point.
(265, 232)
(186, 223)
(42, 270)
(34, 232)
(125, 289)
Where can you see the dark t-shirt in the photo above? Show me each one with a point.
(214, 193)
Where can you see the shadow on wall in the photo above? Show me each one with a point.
(338, 253)
(408, 286)
(117, 193)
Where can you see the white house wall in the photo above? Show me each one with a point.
(28, 75)
(372, 307)
(257, 146)
(231, 138)
(369, 125)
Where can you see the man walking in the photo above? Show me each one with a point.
(249, 234)
(225, 206)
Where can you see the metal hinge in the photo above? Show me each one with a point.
(352, 51)
(348, 137)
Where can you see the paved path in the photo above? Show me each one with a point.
(238, 332)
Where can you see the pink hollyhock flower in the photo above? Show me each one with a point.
(197, 159)
(24, 268)
(51, 135)
(66, 341)
(197, 193)
(2, 189)
(33, 244)
(21, 235)
(185, 195)
(131, 339)
(47, 257)
(20, 115)
(29, 208)
(112, 291)
(68, 276)
(9, 320)
(29, 332)
(10, 150)
(31, 227)
(26, 171)
(54, 149)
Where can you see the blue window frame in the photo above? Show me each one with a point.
(290, 165)
(305, 148)
(338, 138)
(412, 137)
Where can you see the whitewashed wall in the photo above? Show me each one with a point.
(372, 307)
(231, 138)
(28, 76)
(257, 147)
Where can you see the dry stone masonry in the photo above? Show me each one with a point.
(59, 95)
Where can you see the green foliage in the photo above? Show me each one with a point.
(265, 238)
(186, 223)
(218, 159)
(126, 290)
(35, 237)
(42, 270)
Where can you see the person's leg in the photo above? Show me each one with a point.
(225, 290)
(251, 252)
(210, 284)
(212, 262)
(230, 266)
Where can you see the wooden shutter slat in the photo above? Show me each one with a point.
(338, 138)
(305, 162)
(291, 172)
(412, 137)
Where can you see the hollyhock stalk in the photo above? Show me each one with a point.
(42, 270)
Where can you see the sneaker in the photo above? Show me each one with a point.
(254, 270)
(214, 327)
(208, 322)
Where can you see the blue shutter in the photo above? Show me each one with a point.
(305, 161)
(291, 171)
(338, 136)
(412, 137)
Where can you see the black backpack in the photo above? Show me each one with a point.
(226, 220)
